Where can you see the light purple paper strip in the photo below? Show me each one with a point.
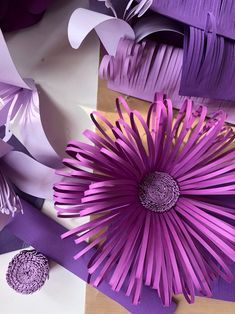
(141, 69)
(21, 102)
(83, 21)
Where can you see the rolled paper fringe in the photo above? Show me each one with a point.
(141, 69)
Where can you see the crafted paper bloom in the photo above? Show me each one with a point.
(27, 272)
(157, 186)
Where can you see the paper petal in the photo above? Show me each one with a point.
(83, 21)
(20, 99)
(29, 175)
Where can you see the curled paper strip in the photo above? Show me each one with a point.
(21, 107)
(160, 223)
(43, 234)
(83, 21)
(27, 272)
(141, 69)
(208, 65)
(195, 13)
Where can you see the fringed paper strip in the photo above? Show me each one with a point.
(154, 184)
(208, 65)
(195, 13)
(141, 69)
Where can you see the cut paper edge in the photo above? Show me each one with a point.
(29, 175)
(83, 21)
(142, 69)
(20, 96)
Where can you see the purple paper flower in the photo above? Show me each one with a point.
(27, 272)
(158, 183)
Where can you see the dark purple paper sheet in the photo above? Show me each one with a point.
(44, 234)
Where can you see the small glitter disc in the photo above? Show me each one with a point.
(158, 192)
(27, 271)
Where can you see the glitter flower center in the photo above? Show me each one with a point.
(158, 192)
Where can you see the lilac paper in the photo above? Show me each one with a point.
(141, 69)
(83, 21)
(21, 107)
(8, 242)
(44, 234)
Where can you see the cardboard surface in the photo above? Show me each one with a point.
(98, 303)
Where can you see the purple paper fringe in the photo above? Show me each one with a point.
(154, 184)
(139, 70)
(195, 13)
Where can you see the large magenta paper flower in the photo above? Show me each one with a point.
(161, 187)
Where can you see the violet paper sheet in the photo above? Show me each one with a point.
(44, 235)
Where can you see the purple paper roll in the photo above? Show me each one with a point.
(44, 235)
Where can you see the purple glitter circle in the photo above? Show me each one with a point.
(27, 272)
(158, 192)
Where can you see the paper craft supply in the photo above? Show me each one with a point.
(208, 64)
(27, 272)
(141, 69)
(154, 183)
(43, 234)
(195, 13)
(21, 108)
(83, 21)
(8, 242)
